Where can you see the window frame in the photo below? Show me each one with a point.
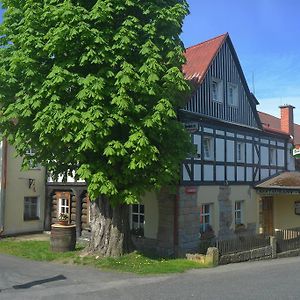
(272, 156)
(210, 149)
(218, 91)
(239, 210)
(203, 214)
(29, 206)
(240, 153)
(140, 215)
(30, 152)
(235, 94)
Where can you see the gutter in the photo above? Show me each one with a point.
(3, 184)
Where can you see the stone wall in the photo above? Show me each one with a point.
(165, 234)
(254, 254)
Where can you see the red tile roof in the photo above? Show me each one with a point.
(273, 123)
(200, 56)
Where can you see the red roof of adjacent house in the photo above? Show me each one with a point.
(272, 123)
(200, 56)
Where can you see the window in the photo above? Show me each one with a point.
(205, 217)
(272, 156)
(232, 94)
(137, 217)
(32, 165)
(238, 212)
(208, 147)
(63, 206)
(240, 152)
(216, 90)
(31, 208)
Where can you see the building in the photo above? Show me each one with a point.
(229, 186)
(22, 195)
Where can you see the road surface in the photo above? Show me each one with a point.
(271, 279)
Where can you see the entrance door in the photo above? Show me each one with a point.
(267, 215)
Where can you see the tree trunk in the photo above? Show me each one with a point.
(110, 231)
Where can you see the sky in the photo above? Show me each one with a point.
(266, 37)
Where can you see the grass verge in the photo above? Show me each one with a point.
(134, 262)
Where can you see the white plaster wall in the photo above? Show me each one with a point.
(209, 195)
(16, 189)
(151, 215)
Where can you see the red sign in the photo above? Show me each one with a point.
(190, 190)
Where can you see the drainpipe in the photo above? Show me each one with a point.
(3, 184)
(176, 214)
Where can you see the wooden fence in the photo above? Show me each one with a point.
(242, 243)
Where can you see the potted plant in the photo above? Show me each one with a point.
(63, 219)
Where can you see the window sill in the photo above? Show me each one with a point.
(31, 219)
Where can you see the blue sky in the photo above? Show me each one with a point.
(266, 36)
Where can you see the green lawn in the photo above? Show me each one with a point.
(133, 262)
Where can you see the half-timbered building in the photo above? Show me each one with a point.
(223, 189)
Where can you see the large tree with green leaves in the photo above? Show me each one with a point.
(93, 87)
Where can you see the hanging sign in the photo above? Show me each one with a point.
(296, 152)
(192, 127)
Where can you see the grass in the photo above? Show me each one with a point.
(134, 262)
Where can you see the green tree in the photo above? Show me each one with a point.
(93, 87)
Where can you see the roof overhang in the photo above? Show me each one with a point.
(286, 183)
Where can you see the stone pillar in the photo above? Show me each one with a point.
(188, 221)
(165, 235)
(273, 244)
(225, 213)
(212, 256)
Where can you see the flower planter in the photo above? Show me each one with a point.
(63, 222)
(63, 238)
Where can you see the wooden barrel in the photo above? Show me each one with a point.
(63, 238)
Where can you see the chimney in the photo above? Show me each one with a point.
(287, 119)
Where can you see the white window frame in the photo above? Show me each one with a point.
(272, 155)
(232, 100)
(208, 147)
(205, 211)
(30, 152)
(140, 215)
(62, 207)
(217, 92)
(240, 151)
(29, 205)
(239, 212)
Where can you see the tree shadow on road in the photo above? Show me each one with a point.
(38, 282)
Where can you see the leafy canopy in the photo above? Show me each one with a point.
(93, 87)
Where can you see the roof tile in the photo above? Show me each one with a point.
(200, 56)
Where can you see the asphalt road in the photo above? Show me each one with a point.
(272, 279)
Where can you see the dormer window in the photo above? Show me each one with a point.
(216, 90)
(232, 94)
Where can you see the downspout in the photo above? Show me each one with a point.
(3, 184)
(176, 213)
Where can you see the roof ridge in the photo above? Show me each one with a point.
(262, 112)
(214, 38)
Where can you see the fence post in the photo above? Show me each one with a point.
(212, 256)
(273, 245)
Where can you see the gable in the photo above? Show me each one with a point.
(224, 77)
